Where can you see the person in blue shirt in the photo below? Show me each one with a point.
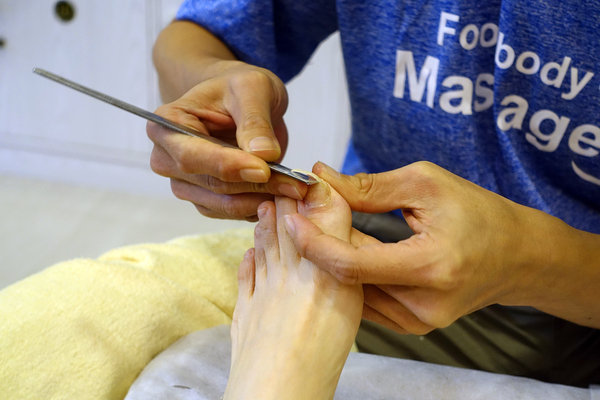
(476, 123)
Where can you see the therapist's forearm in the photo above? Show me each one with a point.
(566, 266)
(185, 54)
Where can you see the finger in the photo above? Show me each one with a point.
(357, 238)
(250, 102)
(194, 155)
(226, 199)
(163, 164)
(279, 185)
(431, 306)
(393, 310)
(377, 193)
(375, 316)
(405, 263)
(223, 206)
(211, 214)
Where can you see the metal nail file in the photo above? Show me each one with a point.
(305, 178)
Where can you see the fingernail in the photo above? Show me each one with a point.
(318, 195)
(255, 175)
(289, 190)
(290, 226)
(262, 143)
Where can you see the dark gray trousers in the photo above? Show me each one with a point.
(510, 340)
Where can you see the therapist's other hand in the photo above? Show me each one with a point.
(468, 249)
(244, 106)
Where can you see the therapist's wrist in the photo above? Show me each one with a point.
(556, 269)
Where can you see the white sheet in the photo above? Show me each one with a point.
(197, 366)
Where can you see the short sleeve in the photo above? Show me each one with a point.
(279, 35)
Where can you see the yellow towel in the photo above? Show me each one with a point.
(84, 329)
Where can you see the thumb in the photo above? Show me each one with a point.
(373, 193)
(373, 262)
(327, 252)
(252, 104)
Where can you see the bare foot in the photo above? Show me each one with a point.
(294, 324)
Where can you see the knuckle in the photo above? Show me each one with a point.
(364, 182)
(419, 329)
(185, 161)
(237, 206)
(364, 185)
(256, 121)
(440, 319)
(344, 272)
(221, 168)
(436, 316)
(152, 131)
(229, 207)
(215, 185)
(444, 280)
(189, 162)
(162, 110)
(207, 212)
(178, 188)
(444, 271)
(425, 171)
(259, 188)
(423, 168)
(159, 164)
(450, 275)
(252, 77)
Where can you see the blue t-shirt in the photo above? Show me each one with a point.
(503, 93)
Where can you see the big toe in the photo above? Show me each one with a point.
(328, 210)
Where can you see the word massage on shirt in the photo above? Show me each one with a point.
(465, 96)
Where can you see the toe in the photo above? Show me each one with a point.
(266, 243)
(265, 232)
(287, 250)
(246, 273)
(328, 210)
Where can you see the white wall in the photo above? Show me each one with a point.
(319, 114)
(50, 132)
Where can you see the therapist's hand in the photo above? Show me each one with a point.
(240, 104)
(469, 247)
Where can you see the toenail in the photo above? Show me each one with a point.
(262, 211)
(249, 254)
(319, 195)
